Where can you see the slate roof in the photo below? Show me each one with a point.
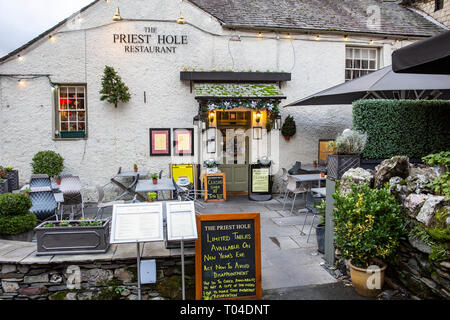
(326, 15)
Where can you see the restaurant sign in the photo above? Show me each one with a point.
(150, 41)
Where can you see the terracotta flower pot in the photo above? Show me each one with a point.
(368, 282)
(58, 181)
(287, 138)
(155, 181)
(135, 169)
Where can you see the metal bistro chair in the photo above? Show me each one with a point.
(71, 189)
(284, 178)
(310, 209)
(293, 188)
(102, 205)
(185, 194)
(44, 204)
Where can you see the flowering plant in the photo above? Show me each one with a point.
(368, 225)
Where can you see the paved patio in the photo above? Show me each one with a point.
(287, 259)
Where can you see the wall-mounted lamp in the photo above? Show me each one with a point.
(197, 120)
(211, 118)
(277, 122)
(117, 16)
(258, 117)
(317, 37)
(19, 57)
(260, 35)
(346, 38)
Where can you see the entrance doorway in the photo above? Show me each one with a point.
(235, 149)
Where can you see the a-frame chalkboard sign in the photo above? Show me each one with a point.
(228, 257)
(216, 187)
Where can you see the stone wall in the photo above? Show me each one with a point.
(422, 265)
(428, 6)
(423, 278)
(111, 280)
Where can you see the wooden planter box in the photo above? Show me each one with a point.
(13, 180)
(72, 240)
(339, 164)
(4, 188)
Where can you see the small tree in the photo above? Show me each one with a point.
(113, 89)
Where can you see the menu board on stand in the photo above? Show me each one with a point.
(228, 257)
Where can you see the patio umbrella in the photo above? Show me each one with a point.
(382, 84)
(430, 56)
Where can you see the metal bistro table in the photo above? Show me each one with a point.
(309, 178)
(164, 184)
(130, 189)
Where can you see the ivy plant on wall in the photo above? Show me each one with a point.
(113, 89)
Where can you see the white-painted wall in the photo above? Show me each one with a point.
(119, 137)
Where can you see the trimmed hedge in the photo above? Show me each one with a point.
(14, 204)
(413, 128)
(11, 226)
(15, 217)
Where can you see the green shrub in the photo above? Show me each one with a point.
(48, 162)
(440, 185)
(13, 225)
(14, 204)
(368, 225)
(413, 128)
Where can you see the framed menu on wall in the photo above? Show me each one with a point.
(183, 142)
(160, 142)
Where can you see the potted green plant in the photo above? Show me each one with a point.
(73, 237)
(320, 228)
(347, 149)
(368, 226)
(135, 167)
(12, 176)
(155, 178)
(47, 162)
(211, 166)
(4, 186)
(16, 220)
(27, 192)
(152, 196)
(289, 128)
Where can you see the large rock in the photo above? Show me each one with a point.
(414, 202)
(96, 275)
(429, 208)
(398, 188)
(419, 179)
(394, 167)
(357, 176)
